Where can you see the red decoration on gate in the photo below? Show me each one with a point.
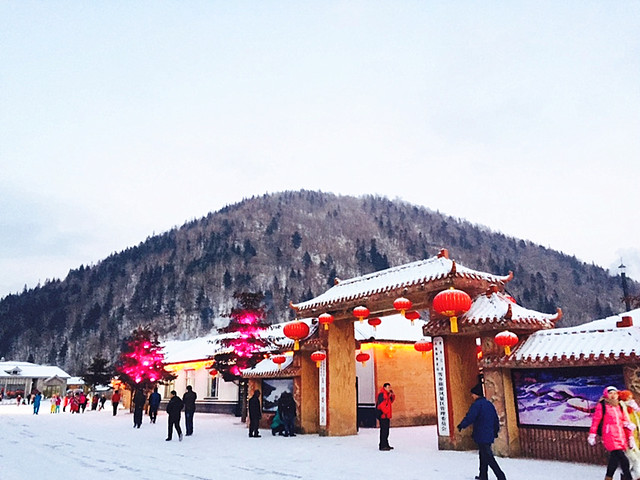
(412, 315)
(318, 356)
(326, 319)
(363, 357)
(296, 331)
(507, 340)
(479, 352)
(361, 313)
(278, 360)
(213, 372)
(452, 303)
(402, 304)
(423, 345)
(374, 322)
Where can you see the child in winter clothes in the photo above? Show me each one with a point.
(633, 454)
(616, 434)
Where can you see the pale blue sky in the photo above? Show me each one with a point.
(121, 119)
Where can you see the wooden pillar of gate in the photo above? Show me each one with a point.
(341, 411)
(456, 372)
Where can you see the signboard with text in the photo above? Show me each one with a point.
(441, 386)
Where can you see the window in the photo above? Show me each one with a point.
(213, 386)
(189, 378)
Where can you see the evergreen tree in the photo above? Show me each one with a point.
(98, 373)
(246, 344)
(141, 362)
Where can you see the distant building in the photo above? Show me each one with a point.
(20, 378)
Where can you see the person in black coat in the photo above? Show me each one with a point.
(255, 414)
(482, 414)
(139, 400)
(174, 407)
(287, 411)
(154, 403)
(189, 399)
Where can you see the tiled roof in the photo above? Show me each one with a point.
(410, 274)
(598, 342)
(495, 310)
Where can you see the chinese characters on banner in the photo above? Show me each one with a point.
(323, 394)
(441, 386)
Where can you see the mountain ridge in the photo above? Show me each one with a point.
(290, 246)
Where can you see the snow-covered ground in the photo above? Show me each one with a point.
(98, 445)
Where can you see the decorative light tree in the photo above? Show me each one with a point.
(141, 362)
(244, 349)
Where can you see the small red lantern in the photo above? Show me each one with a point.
(402, 304)
(213, 372)
(374, 322)
(296, 331)
(423, 345)
(412, 315)
(452, 303)
(479, 352)
(278, 360)
(507, 340)
(361, 313)
(318, 357)
(363, 357)
(326, 319)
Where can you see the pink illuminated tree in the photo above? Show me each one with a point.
(245, 347)
(141, 363)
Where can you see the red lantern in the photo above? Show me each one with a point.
(278, 360)
(213, 372)
(326, 319)
(361, 313)
(423, 345)
(402, 304)
(374, 322)
(507, 340)
(318, 357)
(363, 357)
(296, 331)
(452, 303)
(412, 315)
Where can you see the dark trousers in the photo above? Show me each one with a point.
(188, 421)
(488, 460)
(153, 414)
(254, 424)
(617, 457)
(137, 416)
(115, 408)
(384, 432)
(174, 422)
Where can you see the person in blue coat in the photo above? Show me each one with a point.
(484, 418)
(36, 403)
(154, 403)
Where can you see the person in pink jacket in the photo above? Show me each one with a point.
(617, 434)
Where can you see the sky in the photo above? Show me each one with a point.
(98, 445)
(122, 120)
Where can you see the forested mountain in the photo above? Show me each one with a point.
(290, 246)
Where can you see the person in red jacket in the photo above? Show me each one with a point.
(384, 401)
(617, 435)
(115, 400)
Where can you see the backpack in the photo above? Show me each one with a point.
(602, 418)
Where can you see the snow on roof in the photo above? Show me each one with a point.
(178, 351)
(394, 328)
(31, 370)
(266, 368)
(415, 273)
(75, 381)
(595, 342)
(496, 310)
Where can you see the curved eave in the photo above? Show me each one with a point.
(412, 276)
(621, 358)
